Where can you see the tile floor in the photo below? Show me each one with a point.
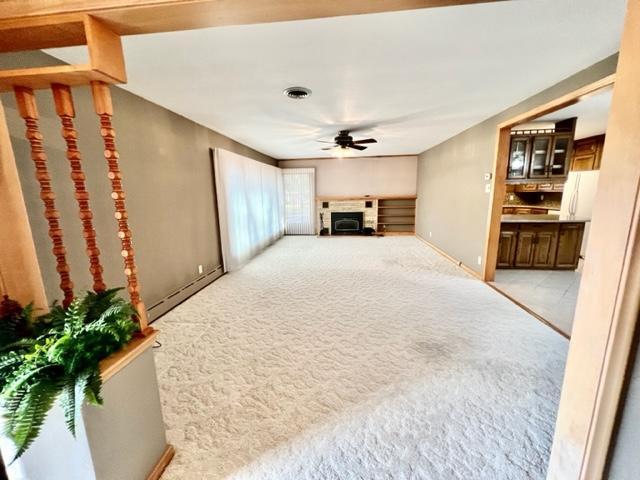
(552, 294)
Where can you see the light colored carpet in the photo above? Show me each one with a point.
(356, 358)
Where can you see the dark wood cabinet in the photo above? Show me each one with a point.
(523, 256)
(569, 244)
(587, 153)
(544, 245)
(540, 156)
(507, 246)
(518, 157)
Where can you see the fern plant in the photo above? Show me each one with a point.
(55, 356)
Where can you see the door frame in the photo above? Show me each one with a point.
(608, 303)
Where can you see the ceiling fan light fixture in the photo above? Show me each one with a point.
(297, 93)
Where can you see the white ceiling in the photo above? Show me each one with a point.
(411, 79)
(592, 113)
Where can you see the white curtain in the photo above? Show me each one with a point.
(250, 206)
(299, 201)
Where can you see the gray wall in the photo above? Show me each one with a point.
(452, 202)
(167, 178)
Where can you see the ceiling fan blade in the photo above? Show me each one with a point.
(327, 148)
(324, 141)
(357, 147)
(366, 140)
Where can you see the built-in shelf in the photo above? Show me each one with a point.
(396, 215)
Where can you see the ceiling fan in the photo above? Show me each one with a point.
(344, 141)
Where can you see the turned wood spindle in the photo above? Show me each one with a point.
(28, 110)
(65, 109)
(104, 110)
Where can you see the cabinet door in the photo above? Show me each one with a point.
(507, 247)
(544, 251)
(558, 161)
(524, 248)
(518, 157)
(569, 244)
(539, 158)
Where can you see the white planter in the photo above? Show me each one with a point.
(122, 440)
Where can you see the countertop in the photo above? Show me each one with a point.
(542, 219)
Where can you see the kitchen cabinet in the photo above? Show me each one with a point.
(550, 245)
(540, 157)
(569, 243)
(587, 153)
(507, 246)
(518, 157)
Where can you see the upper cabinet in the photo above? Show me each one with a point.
(587, 153)
(540, 156)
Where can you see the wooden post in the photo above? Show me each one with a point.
(19, 267)
(26, 101)
(65, 110)
(104, 109)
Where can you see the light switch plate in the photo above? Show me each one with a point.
(200, 269)
(487, 176)
(487, 188)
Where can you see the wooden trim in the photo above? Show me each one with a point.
(471, 272)
(609, 297)
(120, 359)
(529, 311)
(559, 103)
(131, 17)
(338, 198)
(163, 462)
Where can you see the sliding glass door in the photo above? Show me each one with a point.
(299, 201)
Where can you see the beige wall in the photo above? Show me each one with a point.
(452, 202)
(167, 175)
(361, 175)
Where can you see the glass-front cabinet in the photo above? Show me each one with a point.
(518, 157)
(559, 158)
(539, 157)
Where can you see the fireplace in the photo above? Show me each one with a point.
(347, 223)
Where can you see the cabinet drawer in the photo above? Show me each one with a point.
(527, 187)
(522, 211)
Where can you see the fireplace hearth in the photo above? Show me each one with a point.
(347, 223)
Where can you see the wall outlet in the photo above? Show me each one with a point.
(487, 188)
(200, 269)
(479, 260)
(430, 234)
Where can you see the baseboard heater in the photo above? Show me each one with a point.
(179, 295)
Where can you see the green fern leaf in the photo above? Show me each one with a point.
(32, 412)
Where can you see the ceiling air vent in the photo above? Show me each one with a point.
(297, 93)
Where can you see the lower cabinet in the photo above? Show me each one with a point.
(507, 245)
(540, 245)
(569, 244)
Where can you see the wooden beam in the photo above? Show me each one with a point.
(129, 17)
(609, 297)
(106, 58)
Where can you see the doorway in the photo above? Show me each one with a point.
(545, 182)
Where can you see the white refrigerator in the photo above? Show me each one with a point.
(578, 199)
